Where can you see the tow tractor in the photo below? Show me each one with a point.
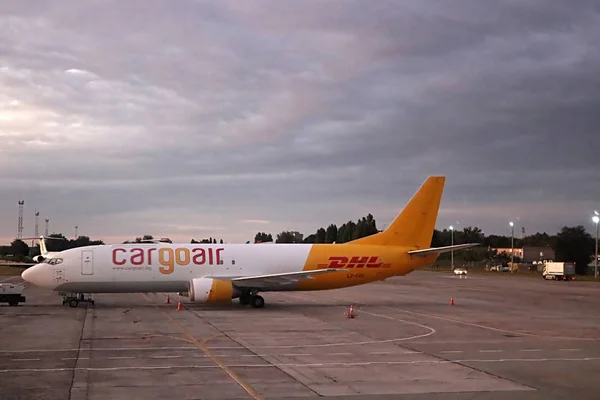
(73, 299)
(11, 294)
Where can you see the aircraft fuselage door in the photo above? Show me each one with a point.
(87, 262)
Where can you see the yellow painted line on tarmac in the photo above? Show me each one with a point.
(201, 345)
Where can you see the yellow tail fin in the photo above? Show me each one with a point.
(414, 226)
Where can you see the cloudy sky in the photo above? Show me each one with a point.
(223, 118)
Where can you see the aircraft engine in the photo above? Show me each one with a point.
(38, 259)
(207, 290)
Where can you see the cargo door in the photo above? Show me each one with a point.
(87, 262)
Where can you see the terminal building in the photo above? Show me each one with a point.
(529, 254)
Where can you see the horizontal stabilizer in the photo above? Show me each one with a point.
(274, 280)
(440, 250)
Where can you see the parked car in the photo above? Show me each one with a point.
(460, 271)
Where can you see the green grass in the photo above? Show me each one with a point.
(10, 271)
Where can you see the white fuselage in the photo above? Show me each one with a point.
(160, 267)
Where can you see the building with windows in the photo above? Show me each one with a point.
(529, 254)
(516, 252)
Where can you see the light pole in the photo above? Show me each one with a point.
(512, 243)
(596, 219)
(452, 251)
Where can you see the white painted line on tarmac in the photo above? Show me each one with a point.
(200, 356)
(457, 321)
(312, 365)
(106, 349)
(165, 357)
(430, 329)
(374, 353)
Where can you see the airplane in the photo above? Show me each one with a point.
(44, 253)
(218, 273)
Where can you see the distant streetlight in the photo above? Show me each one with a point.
(512, 242)
(596, 219)
(452, 251)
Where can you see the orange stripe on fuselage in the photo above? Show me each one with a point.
(364, 263)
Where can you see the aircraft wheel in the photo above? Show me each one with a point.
(73, 303)
(257, 301)
(245, 299)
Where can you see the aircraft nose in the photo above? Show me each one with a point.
(27, 274)
(39, 275)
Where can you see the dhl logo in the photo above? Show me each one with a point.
(355, 262)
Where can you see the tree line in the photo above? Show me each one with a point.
(21, 251)
(351, 230)
(141, 239)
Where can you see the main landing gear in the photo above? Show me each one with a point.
(73, 299)
(252, 298)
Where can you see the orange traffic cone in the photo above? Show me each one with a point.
(350, 313)
(179, 306)
(451, 301)
(168, 299)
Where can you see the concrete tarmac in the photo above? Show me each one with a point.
(504, 337)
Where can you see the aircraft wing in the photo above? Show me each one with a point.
(443, 249)
(275, 280)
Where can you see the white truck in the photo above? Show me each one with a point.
(11, 294)
(559, 271)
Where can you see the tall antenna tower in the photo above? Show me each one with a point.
(20, 228)
(522, 232)
(46, 232)
(37, 225)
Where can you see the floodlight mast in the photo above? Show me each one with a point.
(596, 219)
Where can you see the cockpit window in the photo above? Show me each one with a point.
(55, 261)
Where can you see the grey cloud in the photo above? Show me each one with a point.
(198, 115)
